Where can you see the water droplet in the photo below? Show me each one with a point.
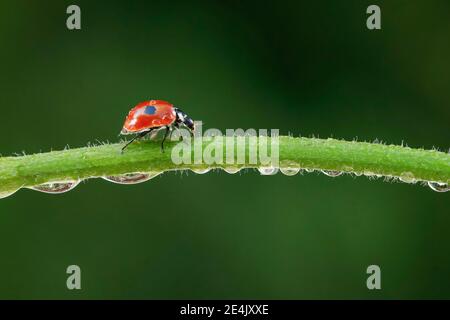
(56, 187)
(5, 194)
(309, 170)
(132, 178)
(201, 171)
(358, 174)
(231, 170)
(407, 177)
(438, 186)
(290, 171)
(268, 171)
(332, 173)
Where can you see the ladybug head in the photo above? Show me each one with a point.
(183, 118)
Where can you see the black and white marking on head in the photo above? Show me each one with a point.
(183, 118)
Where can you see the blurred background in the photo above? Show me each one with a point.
(304, 67)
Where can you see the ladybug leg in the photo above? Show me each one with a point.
(140, 135)
(168, 129)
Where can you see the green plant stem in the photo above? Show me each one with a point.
(146, 156)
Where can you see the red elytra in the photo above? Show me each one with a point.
(153, 115)
(149, 114)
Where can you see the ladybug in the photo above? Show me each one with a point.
(153, 115)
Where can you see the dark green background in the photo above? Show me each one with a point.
(305, 67)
